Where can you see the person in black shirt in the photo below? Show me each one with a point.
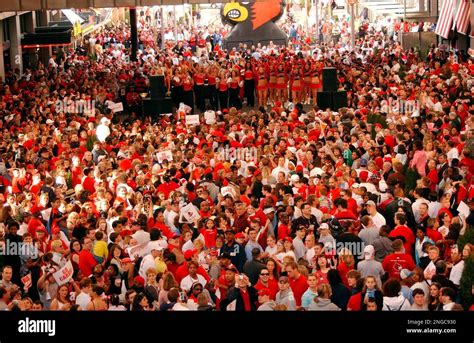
(307, 220)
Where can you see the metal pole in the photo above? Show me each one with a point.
(133, 33)
(317, 20)
(352, 28)
(162, 29)
(175, 24)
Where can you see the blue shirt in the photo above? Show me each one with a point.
(307, 298)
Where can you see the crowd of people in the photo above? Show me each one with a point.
(276, 205)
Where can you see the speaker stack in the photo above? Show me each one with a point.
(157, 103)
(331, 97)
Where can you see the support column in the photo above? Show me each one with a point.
(16, 58)
(2, 63)
(134, 33)
(45, 53)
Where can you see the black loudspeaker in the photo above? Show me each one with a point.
(325, 100)
(157, 87)
(339, 100)
(330, 83)
(155, 107)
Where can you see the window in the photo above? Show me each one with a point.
(6, 30)
(23, 26)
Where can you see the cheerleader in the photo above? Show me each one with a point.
(281, 83)
(307, 78)
(249, 84)
(296, 84)
(234, 90)
(188, 94)
(199, 78)
(272, 84)
(262, 87)
(211, 88)
(223, 88)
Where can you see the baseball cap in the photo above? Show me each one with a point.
(369, 252)
(355, 185)
(155, 245)
(125, 232)
(263, 292)
(126, 260)
(188, 254)
(323, 226)
(232, 269)
(139, 280)
(239, 235)
(225, 255)
(289, 239)
(268, 210)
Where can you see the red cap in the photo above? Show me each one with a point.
(188, 254)
(338, 174)
(55, 230)
(126, 232)
(214, 253)
(264, 291)
(299, 169)
(378, 125)
(239, 235)
(126, 260)
(364, 175)
(139, 280)
(289, 239)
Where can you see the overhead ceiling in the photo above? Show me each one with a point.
(35, 5)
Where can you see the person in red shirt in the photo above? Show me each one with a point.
(397, 261)
(298, 282)
(265, 283)
(401, 230)
(87, 261)
(432, 230)
(355, 283)
(284, 230)
(182, 271)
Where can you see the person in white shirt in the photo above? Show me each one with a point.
(84, 298)
(148, 262)
(377, 218)
(280, 168)
(193, 277)
(457, 267)
(417, 194)
(141, 236)
(271, 248)
(298, 244)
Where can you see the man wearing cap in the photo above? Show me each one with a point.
(371, 267)
(149, 261)
(285, 294)
(394, 263)
(265, 299)
(235, 250)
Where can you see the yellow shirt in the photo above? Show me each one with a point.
(100, 249)
(160, 265)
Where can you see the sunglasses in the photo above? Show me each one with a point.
(264, 274)
(198, 289)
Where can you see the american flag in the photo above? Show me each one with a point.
(463, 16)
(445, 19)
